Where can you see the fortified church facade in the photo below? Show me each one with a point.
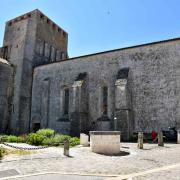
(129, 89)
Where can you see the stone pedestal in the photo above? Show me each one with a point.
(178, 136)
(105, 142)
(84, 139)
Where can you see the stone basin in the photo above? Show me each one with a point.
(105, 142)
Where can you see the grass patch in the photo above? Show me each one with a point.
(5, 152)
(19, 152)
(2, 152)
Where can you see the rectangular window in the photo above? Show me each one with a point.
(105, 100)
(50, 51)
(66, 101)
(55, 54)
(43, 49)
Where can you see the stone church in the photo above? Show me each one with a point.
(129, 89)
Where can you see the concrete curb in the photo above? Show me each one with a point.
(61, 173)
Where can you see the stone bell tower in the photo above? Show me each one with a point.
(31, 40)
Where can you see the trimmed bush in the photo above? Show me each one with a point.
(35, 139)
(46, 132)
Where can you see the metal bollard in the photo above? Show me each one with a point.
(140, 140)
(160, 139)
(178, 136)
(66, 148)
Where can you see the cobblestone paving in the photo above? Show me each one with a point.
(172, 174)
(83, 161)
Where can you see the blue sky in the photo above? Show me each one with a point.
(99, 25)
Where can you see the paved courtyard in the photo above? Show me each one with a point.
(151, 163)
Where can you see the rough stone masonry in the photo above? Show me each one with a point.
(129, 89)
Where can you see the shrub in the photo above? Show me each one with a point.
(21, 139)
(47, 141)
(13, 138)
(56, 139)
(3, 138)
(60, 139)
(24, 138)
(2, 152)
(46, 132)
(17, 139)
(42, 137)
(74, 141)
(35, 139)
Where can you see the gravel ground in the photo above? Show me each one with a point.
(83, 161)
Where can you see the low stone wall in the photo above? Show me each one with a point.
(105, 142)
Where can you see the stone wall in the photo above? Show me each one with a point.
(51, 41)
(23, 35)
(1, 52)
(6, 72)
(153, 81)
(15, 37)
